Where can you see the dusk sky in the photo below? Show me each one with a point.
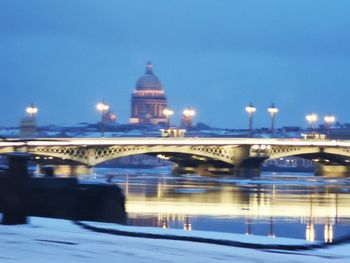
(215, 56)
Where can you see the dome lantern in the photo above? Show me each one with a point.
(149, 68)
(149, 81)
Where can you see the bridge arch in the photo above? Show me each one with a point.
(95, 155)
(339, 155)
(287, 151)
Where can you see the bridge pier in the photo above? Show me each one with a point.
(332, 170)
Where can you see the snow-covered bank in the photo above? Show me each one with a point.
(52, 240)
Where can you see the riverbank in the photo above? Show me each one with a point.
(53, 240)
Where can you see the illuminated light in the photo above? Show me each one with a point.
(311, 118)
(272, 109)
(187, 117)
(187, 224)
(164, 223)
(188, 227)
(102, 106)
(328, 233)
(198, 158)
(235, 142)
(189, 112)
(162, 156)
(32, 110)
(196, 208)
(113, 117)
(263, 147)
(250, 108)
(37, 157)
(11, 144)
(50, 157)
(255, 147)
(310, 232)
(329, 119)
(168, 112)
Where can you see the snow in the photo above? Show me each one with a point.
(53, 240)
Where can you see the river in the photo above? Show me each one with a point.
(277, 205)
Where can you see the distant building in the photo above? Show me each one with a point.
(291, 163)
(148, 100)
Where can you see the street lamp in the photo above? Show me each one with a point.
(250, 109)
(273, 111)
(187, 117)
(329, 120)
(168, 113)
(311, 118)
(103, 108)
(32, 110)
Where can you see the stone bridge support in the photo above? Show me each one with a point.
(243, 161)
(249, 162)
(332, 170)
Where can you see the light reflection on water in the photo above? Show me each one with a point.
(277, 205)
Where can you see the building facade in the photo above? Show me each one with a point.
(148, 100)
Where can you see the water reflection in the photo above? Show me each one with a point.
(310, 230)
(303, 206)
(328, 233)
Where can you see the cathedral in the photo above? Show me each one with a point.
(148, 100)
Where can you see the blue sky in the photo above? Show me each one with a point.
(215, 56)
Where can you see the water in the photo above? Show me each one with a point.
(299, 206)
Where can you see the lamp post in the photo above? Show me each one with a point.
(250, 109)
(329, 120)
(273, 111)
(168, 113)
(103, 108)
(187, 117)
(311, 119)
(32, 110)
(28, 124)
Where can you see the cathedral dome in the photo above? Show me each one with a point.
(148, 81)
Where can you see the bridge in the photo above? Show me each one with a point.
(200, 155)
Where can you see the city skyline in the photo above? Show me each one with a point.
(215, 57)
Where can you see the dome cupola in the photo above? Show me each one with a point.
(148, 81)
